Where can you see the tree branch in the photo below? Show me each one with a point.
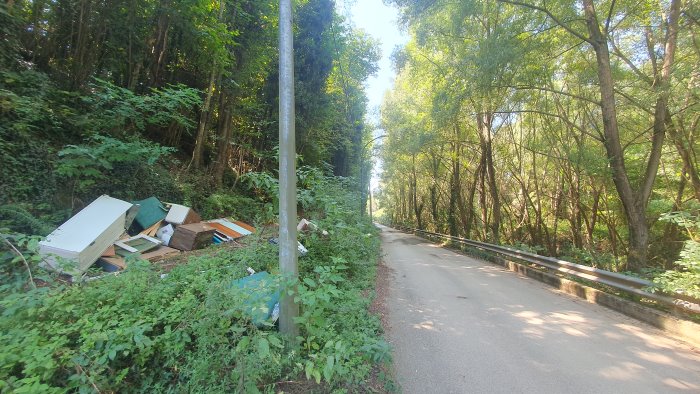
(634, 102)
(551, 16)
(527, 87)
(26, 264)
(617, 52)
(607, 20)
(533, 111)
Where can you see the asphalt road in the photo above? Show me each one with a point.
(460, 325)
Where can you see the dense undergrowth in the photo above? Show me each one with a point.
(189, 331)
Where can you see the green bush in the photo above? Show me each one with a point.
(188, 331)
(118, 111)
(19, 220)
(229, 205)
(29, 118)
(686, 278)
(123, 169)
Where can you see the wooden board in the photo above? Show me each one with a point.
(109, 252)
(235, 227)
(159, 253)
(225, 230)
(151, 231)
(245, 225)
(116, 261)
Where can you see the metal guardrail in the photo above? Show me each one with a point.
(615, 280)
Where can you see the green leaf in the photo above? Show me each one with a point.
(242, 344)
(308, 369)
(263, 348)
(328, 369)
(274, 341)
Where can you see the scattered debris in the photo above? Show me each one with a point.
(151, 231)
(97, 235)
(192, 236)
(160, 253)
(264, 296)
(165, 233)
(75, 245)
(112, 264)
(151, 212)
(305, 226)
(138, 244)
(180, 214)
(229, 229)
(302, 250)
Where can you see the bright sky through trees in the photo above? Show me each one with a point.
(380, 21)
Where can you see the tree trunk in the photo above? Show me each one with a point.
(454, 190)
(201, 141)
(634, 209)
(224, 143)
(592, 218)
(434, 211)
(417, 208)
(485, 123)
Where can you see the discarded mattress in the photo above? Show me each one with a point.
(76, 244)
(263, 295)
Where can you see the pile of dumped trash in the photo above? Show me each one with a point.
(110, 232)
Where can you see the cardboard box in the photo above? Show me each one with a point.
(180, 214)
(192, 236)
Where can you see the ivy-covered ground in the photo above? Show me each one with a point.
(189, 331)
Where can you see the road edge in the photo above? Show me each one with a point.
(683, 330)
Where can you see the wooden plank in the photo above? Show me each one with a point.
(109, 252)
(225, 230)
(151, 231)
(159, 253)
(117, 261)
(245, 225)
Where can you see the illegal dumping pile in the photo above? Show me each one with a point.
(110, 232)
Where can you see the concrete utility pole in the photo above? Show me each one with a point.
(287, 171)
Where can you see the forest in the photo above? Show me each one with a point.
(191, 86)
(179, 100)
(565, 128)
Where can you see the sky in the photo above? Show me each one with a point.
(381, 22)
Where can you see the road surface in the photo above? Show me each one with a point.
(460, 325)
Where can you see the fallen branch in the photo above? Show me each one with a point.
(26, 264)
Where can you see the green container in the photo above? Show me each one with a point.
(263, 294)
(151, 211)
